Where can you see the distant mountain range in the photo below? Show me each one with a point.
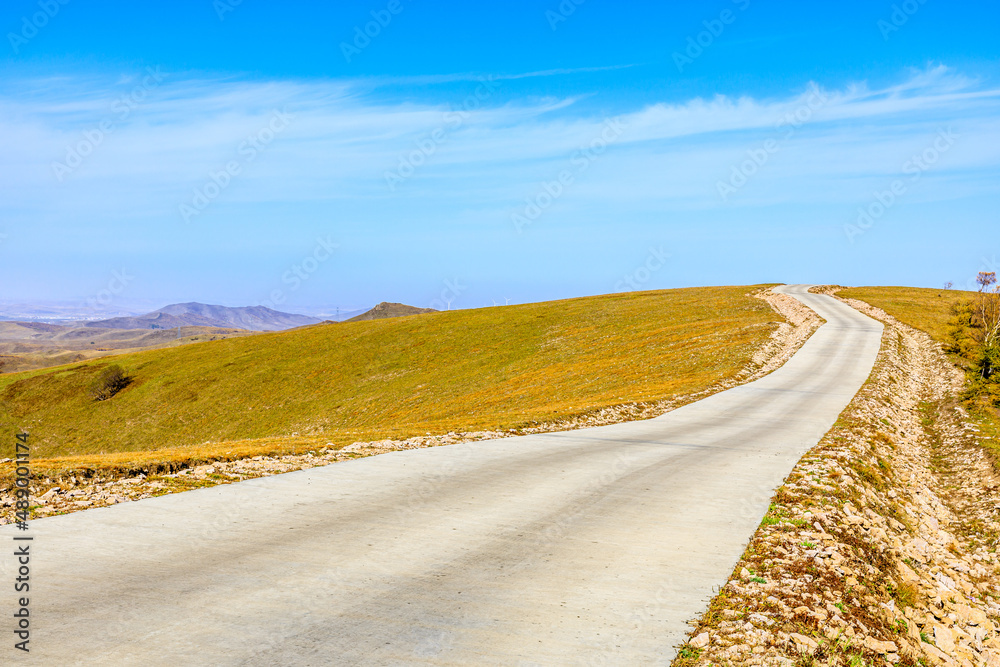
(252, 318)
(387, 309)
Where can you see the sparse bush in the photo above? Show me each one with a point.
(111, 381)
(975, 336)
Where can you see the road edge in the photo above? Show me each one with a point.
(804, 592)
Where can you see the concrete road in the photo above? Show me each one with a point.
(589, 547)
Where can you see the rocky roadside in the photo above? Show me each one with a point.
(75, 492)
(881, 547)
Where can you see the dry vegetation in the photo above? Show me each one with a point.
(945, 316)
(478, 370)
(929, 310)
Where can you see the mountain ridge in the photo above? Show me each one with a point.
(193, 313)
(389, 309)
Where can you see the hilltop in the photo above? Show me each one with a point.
(919, 307)
(251, 318)
(388, 309)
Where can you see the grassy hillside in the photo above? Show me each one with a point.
(474, 369)
(925, 309)
(29, 345)
(930, 310)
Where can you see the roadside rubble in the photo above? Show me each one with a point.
(75, 493)
(881, 547)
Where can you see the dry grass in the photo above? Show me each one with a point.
(929, 310)
(926, 309)
(490, 368)
(161, 461)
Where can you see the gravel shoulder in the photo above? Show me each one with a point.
(881, 547)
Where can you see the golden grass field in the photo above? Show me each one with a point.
(925, 309)
(489, 368)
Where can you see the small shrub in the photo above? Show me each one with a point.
(111, 381)
(689, 652)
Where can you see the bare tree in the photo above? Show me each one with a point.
(988, 307)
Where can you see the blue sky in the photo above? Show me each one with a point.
(462, 154)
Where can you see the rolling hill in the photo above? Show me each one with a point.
(480, 369)
(919, 307)
(30, 345)
(388, 309)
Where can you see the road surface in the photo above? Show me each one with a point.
(589, 547)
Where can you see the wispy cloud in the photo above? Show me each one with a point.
(341, 142)
(435, 79)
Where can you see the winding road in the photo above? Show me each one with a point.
(588, 547)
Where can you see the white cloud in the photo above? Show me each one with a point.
(341, 143)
